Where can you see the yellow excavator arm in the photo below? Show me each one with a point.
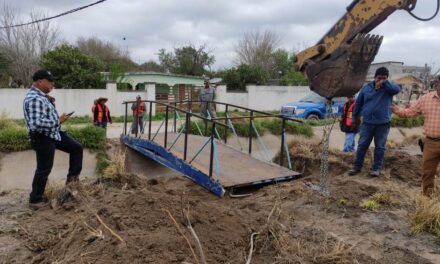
(338, 64)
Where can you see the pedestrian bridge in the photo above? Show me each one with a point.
(201, 148)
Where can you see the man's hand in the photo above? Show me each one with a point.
(395, 109)
(63, 118)
(354, 125)
(378, 84)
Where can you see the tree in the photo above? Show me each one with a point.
(108, 53)
(4, 69)
(237, 78)
(284, 69)
(282, 62)
(73, 68)
(151, 66)
(256, 49)
(293, 77)
(187, 60)
(24, 45)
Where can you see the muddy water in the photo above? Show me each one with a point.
(17, 169)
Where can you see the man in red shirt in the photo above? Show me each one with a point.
(428, 106)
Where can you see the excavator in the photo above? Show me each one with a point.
(338, 64)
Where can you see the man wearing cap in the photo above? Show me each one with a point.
(207, 95)
(138, 109)
(373, 104)
(43, 124)
(428, 106)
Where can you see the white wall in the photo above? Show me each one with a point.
(235, 98)
(78, 100)
(264, 98)
(270, 98)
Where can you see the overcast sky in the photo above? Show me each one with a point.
(150, 25)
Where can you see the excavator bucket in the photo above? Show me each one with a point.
(344, 72)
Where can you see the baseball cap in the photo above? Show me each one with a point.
(43, 74)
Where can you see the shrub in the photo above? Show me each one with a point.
(14, 138)
(274, 126)
(6, 123)
(407, 122)
(78, 120)
(195, 131)
(89, 136)
(242, 128)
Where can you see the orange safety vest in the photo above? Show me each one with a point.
(101, 113)
(141, 108)
(349, 113)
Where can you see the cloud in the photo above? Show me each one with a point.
(151, 25)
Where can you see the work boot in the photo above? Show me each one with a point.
(38, 205)
(374, 173)
(354, 172)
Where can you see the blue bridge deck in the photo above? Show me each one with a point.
(234, 168)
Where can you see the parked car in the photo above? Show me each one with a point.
(312, 106)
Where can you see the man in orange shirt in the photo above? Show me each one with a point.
(429, 106)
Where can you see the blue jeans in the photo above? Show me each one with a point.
(349, 144)
(369, 132)
(45, 149)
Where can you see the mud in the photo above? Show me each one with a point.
(132, 221)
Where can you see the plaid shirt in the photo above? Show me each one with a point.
(429, 106)
(40, 114)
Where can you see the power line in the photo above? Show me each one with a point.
(52, 17)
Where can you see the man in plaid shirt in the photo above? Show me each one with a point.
(43, 125)
(429, 106)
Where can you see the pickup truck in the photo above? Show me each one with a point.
(313, 106)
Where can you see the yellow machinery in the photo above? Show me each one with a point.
(338, 64)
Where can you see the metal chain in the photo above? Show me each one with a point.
(324, 181)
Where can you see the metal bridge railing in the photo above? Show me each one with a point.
(224, 122)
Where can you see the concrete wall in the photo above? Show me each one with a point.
(264, 98)
(78, 100)
(235, 98)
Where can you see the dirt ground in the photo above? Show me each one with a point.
(140, 219)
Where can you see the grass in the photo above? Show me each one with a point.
(342, 202)
(382, 198)
(102, 161)
(115, 169)
(426, 216)
(309, 246)
(376, 201)
(370, 205)
(53, 191)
